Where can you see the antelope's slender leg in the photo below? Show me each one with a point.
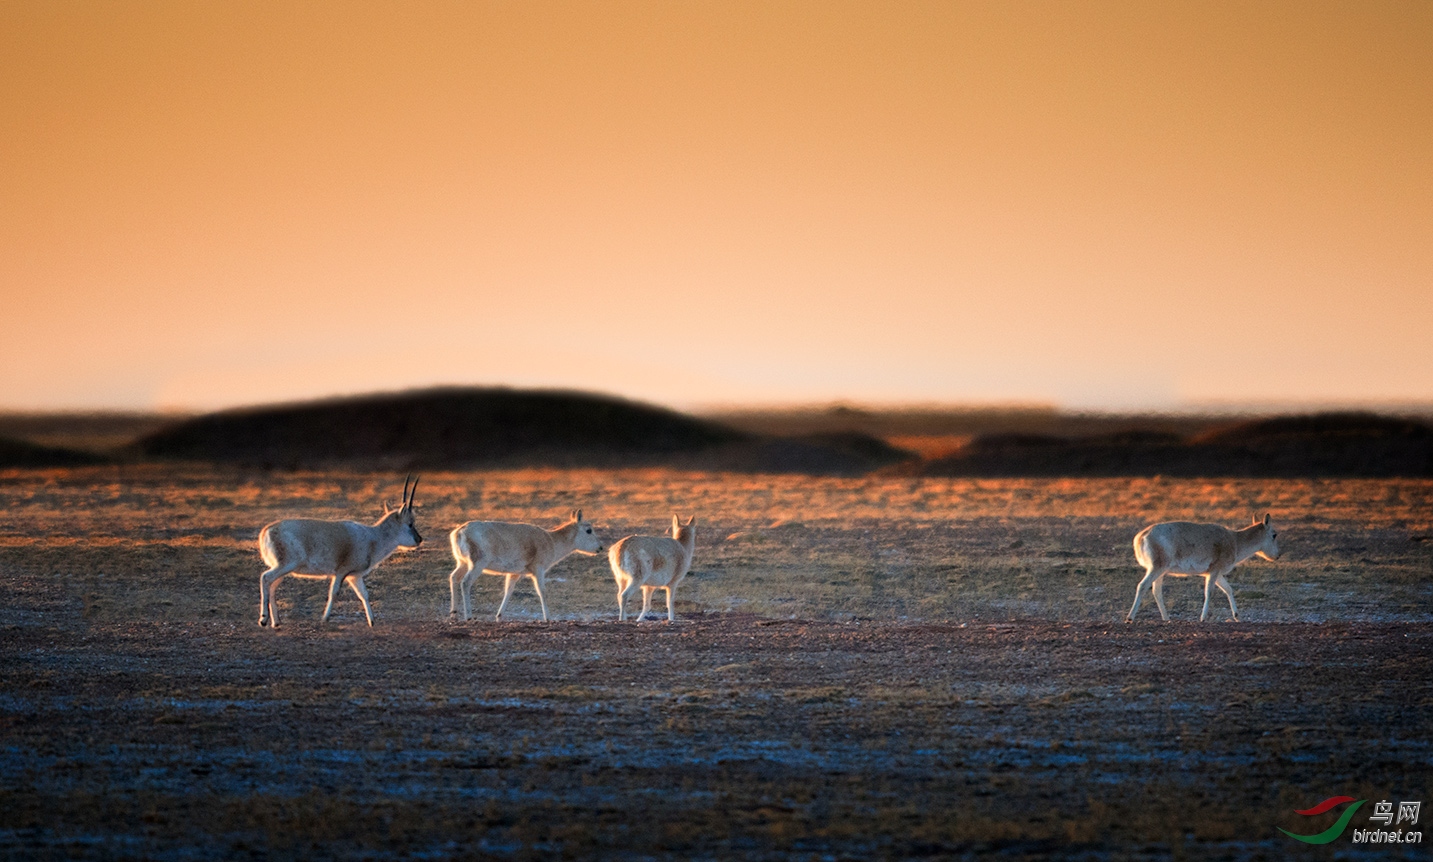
(1158, 589)
(358, 587)
(267, 582)
(466, 587)
(509, 581)
(1222, 583)
(455, 581)
(1139, 592)
(333, 584)
(537, 579)
(1208, 583)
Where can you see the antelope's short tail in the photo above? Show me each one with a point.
(458, 541)
(1141, 548)
(267, 552)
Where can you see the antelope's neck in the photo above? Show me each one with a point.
(1248, 541)
(565, 537)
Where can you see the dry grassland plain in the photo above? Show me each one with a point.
(862, 668)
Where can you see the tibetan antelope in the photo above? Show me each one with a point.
(337, 550)
(512, 551)
(653, 563)
(1187, 548)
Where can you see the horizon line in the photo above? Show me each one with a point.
(1193, 407)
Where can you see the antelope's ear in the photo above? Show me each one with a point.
(692, 521)
(676, 523)
(1255, 521)
(387, 509)
(1266, 519)
(576, 514)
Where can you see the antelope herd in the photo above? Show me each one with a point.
(346, 551)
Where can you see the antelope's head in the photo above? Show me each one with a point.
(407, 533)
(684, 533)
(1269, 550)
(587, 541)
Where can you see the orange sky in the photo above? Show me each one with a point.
(1096, 204)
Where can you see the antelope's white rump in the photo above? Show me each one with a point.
(653, 563)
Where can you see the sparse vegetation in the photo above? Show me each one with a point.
(897, 667)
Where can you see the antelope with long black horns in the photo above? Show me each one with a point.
(339, 551)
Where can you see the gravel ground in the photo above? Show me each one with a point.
(883, 668)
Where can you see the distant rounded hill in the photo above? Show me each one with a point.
(494, 427)
(437, 427)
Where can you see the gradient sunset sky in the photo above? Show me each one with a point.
(1097, 205)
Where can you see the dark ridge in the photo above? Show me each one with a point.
(1317, 426)
(92, 431)
(1330, 444)
(440, 428)
(457, 428)
(1017, 455)
(21, 453)
(953, 421)
(838, 454)
(1327, 444)
(1013, 442)
(864, 446)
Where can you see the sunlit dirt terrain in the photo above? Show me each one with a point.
(862, 668)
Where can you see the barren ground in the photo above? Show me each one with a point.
(866, 668)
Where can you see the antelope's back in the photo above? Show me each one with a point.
(503, 545)
(1184, 545)
(318, 547)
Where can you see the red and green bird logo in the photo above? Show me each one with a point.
(1333, 831)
